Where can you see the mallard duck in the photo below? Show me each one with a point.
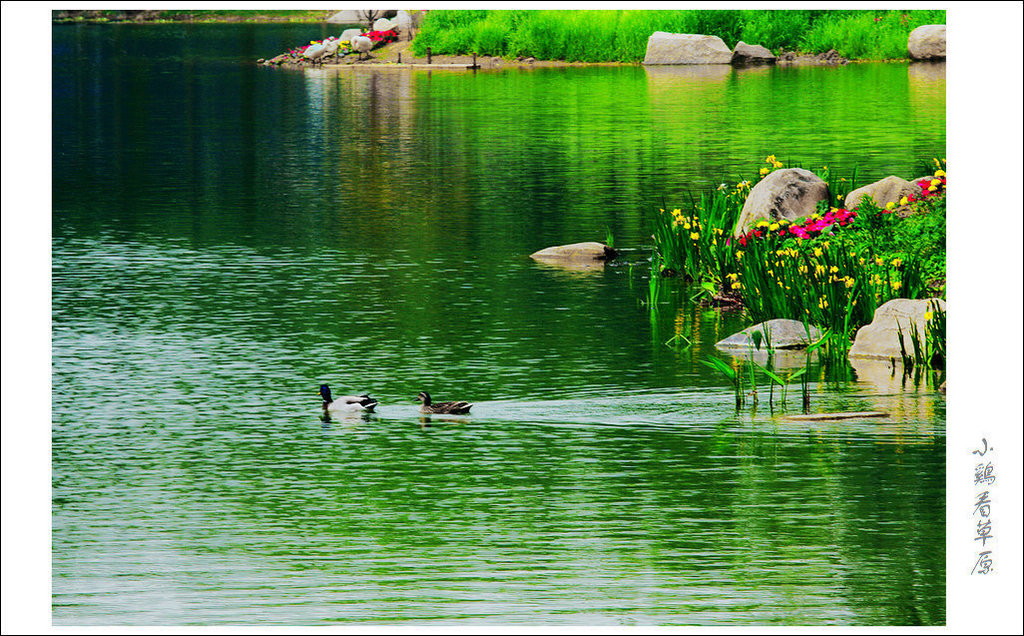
(346, 403)
(454, 408)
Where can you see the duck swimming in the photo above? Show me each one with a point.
(346, 403)
(453, 408)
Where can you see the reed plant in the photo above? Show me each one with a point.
(927, 350)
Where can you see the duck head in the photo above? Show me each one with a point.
(325, 393)
(423, 397)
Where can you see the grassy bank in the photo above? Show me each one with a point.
(832, 269)
(605, 36)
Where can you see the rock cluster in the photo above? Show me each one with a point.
(691, 48)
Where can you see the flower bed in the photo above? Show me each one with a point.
(832, 268)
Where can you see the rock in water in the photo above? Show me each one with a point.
(686, 48)
(781, 333)
(880, 339)
(789, 193)
(751, 54)
(927, 42)
(590, 252)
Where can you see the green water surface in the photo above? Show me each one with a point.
(227, 236)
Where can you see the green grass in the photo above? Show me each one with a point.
(621, 35)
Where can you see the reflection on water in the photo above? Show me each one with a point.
(226, 237)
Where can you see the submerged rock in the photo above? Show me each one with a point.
(888, 190)
(927, 42)
(880, 339)
(790, 193)
(590, 252)
(686, 48)
(780, 333)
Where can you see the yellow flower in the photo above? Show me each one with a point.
(890, 205)
(694, 236)
(762, 223)
(896, 262)
(817, 251)
(879, 261)
(736, 285)
(849, 282)
(686, 226)
(932, 188)
(896, 285)
(773, 227)
(903, 201)
(770, 159)
(833, 269)
(764, 171)
(936, 182)
(940, 173)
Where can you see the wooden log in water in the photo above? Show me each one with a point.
(850, 415)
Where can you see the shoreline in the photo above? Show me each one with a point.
(390, 57)
(398, 55)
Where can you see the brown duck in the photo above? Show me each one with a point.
(453, 408)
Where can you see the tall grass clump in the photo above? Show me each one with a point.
(621, 35)
(874, 35)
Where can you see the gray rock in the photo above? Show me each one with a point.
(880, 339)
(383, 24)
(408, 20)
(781, 333)
(686, 48)
(752, 54)
(403, 21)
(349, 16)
(927, 42)
(577, 252)
(790, 193)
(888, 190)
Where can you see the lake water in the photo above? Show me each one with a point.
(227, 236)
